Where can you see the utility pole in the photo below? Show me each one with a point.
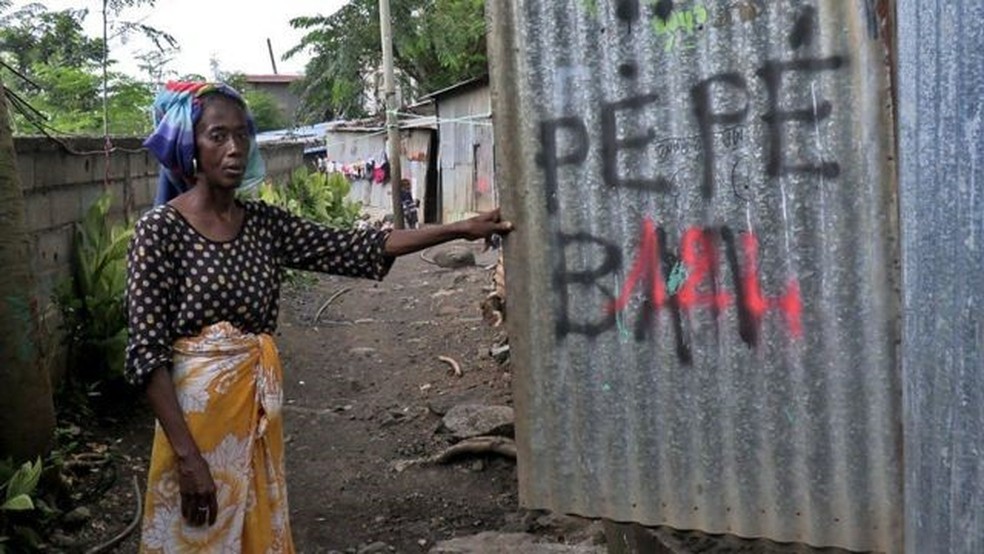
(392, 123)
(273, 61)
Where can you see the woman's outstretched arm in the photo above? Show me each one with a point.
(482, 226)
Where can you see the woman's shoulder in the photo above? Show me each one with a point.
(264, 210)
(157, 219)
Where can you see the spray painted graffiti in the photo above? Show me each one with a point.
(777, 162)
(677, 26)
(653, 273)
(708, 268)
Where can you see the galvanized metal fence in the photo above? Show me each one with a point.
(707, 261)
(941, 183)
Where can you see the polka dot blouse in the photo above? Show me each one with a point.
(179, 282)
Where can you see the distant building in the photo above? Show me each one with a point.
(357, 148)
(465, 157)
(278, 86)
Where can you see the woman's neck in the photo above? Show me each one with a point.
(205, 199)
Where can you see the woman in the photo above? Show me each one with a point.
(203, 279)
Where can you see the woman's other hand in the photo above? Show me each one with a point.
(485, 225)
(199, 505)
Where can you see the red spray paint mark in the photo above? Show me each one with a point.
(700, 255)
(646, 266)
(757, 304)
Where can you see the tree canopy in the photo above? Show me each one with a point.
(57, 69)
(436, 43)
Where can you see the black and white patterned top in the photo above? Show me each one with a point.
(179, 282)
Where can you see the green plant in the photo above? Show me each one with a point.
(92, 299)
(316, 196)
(18, 527)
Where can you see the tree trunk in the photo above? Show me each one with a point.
(27, 415)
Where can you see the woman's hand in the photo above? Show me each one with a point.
(199, 505)
(198, 501)
(484, 226)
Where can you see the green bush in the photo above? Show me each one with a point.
(22, 516)
(92, 299)
(316, 196)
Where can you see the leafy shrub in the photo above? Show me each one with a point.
(20, 526)
(316, 196)
(92, 299)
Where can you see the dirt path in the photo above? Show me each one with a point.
(361, 388)
(358, 389)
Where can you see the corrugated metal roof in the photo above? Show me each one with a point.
(941, 182)
(707, 262)
(456, 88)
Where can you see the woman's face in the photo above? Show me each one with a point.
(222, 140)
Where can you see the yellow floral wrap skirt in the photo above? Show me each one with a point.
(230, 388)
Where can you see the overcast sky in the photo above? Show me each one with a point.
(232, 31)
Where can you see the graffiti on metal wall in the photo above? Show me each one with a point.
(679, 27)
(710, 267)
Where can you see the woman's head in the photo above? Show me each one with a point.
(222, 141)
(203, 128)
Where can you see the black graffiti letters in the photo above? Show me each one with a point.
(566, 141)
(772, 73)
(611, 144)
(549, 158)
(565, 277)
(701, 97)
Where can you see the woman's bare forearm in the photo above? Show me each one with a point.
(482, 226)
(164, 402)
(408, 241)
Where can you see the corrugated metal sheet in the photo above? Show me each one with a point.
(941, 182)
(358, 147)
(707, 263)
(465, 153)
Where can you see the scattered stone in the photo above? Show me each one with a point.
(77, 517)
(447, 310)
(568, 529)
(377, 547)
(362, 350)
(522, 521)
(60, 539)
(465, 421)
(490, 542)
(454, 258)
(442, 404)
(393, 417)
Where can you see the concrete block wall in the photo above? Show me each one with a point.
(60, 184)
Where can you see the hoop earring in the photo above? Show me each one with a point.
(194, 166)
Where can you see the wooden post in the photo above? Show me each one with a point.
(392, 122)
